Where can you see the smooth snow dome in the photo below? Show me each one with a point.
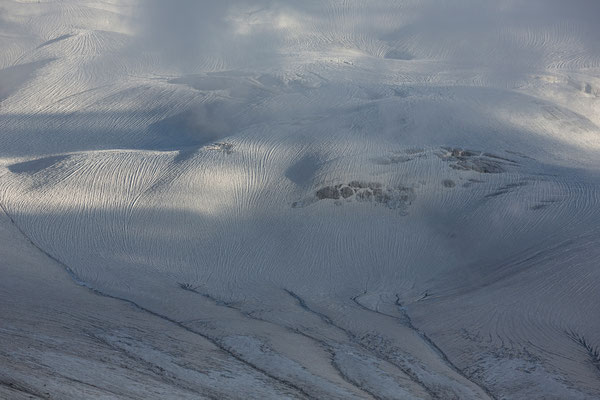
(332, 199)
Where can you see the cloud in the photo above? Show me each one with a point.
(192, 32)
(507, 39)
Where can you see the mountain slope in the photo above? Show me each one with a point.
(330, 200)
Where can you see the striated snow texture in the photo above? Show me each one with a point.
(333, 199)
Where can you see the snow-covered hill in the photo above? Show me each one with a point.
(332, 199)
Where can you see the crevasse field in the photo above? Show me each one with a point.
(320, 199)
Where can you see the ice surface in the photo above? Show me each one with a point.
(332, 199)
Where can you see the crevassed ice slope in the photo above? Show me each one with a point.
(336, 199)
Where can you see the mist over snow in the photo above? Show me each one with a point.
(334, 199)
(499, 36)
(188, 32)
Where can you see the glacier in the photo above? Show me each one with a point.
(335, 199)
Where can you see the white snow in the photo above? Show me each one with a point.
(332, 199)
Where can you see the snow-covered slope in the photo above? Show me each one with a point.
(334, 199)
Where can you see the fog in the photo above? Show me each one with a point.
(188, 31)
(468, 33)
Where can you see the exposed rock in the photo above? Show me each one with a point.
(470, 160)
(398, 197)
(347, 192)
(364, 195)
(224, 147)
(358, 184)
(328, 192)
